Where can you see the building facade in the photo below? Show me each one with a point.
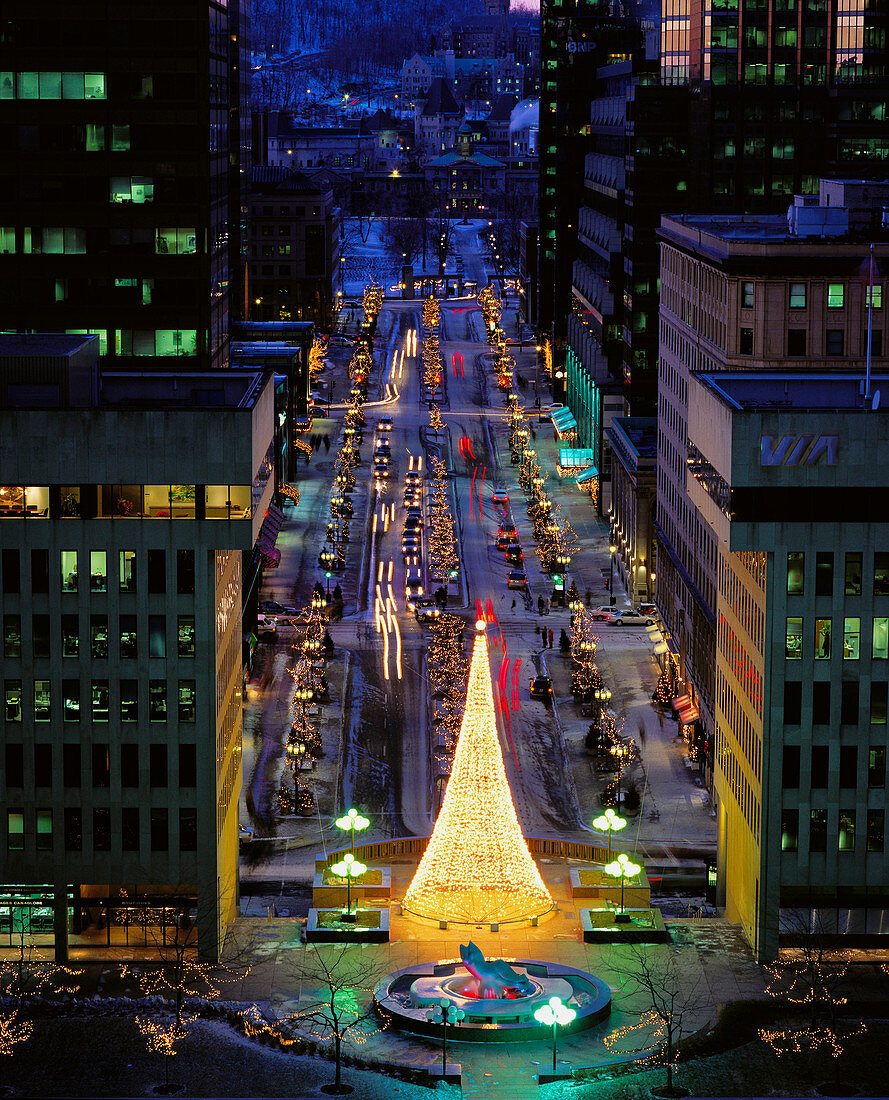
(787, 476)
(121, 561)
(125, 170)
(746, 293)
(633, 486)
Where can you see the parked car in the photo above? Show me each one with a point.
(627, 616)
(541, 687)
(266, 625)
(603, 613)
(500, 495)
(272, 607)
(646, 609)
(516, 578)
(412, 589)
(425, 609)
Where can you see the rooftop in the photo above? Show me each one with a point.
(641, 431)
(43, 344)
(780, 391)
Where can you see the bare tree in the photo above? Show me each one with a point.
(403, 238)
(673, 1004)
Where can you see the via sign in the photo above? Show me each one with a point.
(799, 450)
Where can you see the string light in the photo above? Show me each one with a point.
(443, 559)
(477, 867)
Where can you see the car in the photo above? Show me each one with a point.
(266, 625)
(412, 589)
(516, 578)
(413, 478)
(646, 609)
(410, 545)
(385, 425)
(500, 495)
(413, 511)
(507, 530)
(425, 609)
(627, 616)
(514, 554)
(541, 687)
(413, 523)
(412, 497)
(603, 613)
(382, 450)
(272, 607)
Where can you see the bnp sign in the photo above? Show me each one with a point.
(799, 450)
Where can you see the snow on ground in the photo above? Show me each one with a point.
(366, 260)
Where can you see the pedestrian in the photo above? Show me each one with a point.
(540, 606)
(513, 605)
(548, 603)
(589, 596)
(641, 733)
(550, 635)
(326, 443)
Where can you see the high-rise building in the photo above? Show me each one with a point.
(751, 293)
(787, 481)
(124, 175)
(121, 549)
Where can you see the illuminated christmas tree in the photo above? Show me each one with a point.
(477, 868)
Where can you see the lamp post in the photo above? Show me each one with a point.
(327, 575)
(610, 821)
(612, 550)
(353, 822)
(537, 378)
(444, 1013)
(619, 752)
(555, 1013)
(622, 868)
(349, 868)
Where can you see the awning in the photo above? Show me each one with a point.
(576, 458)
(660, 648)
(656, 637)
(564, 419)
(685, 709)
(268, 535)
(587, 475)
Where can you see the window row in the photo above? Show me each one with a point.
(845, 833)
(52, 85)
(853, 571)
(823, 638)
(846, 766)
(69, 637)
(72, 240)
(128, 836)
(100, 703)
(821, 703)
(798, 342)
(98, 759)
(127, 501)
(97, 563)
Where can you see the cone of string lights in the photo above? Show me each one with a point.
(477, 867)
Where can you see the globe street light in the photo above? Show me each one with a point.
(349, 868)
(610, 821)
(444, 1013)
(620, 753)
(612, 550)
(623, 867)
(352, 822)
(555, 1013)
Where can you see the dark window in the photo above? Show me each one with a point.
(745, 341)
(159, 832)
(157, 635)
(876, 767)
(187, 701)
(40, 634)
(818, 831)
(157, 571)
(821, 702)
(833, 343)
(747, 293)
(796, 570)
(129, 700)
(12, 581)
(875, 828)
(793, 700)
(73, 830)
(71, 765)
(157, 765)
(43, 765)
(43, 820)
(101, 766)
(184, 572)
(790, 768)
(128, 638)
(848, 766)
(879, 697)
(849, 710)
(157, 700)
(40, 571)
(820, 761)
(789, 830)
(796, 342)
(876, 343)
(12, 635)
(71, 700)
(881, 574)
(129, 765)
(853, 574)
(99, 637)
(102, 830)
(15, 764)
(188, 830)
(70, 636)
(188, 766)
(824, 574)
(129, 829)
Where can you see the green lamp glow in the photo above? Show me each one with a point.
(622, 868)
(555, 1014)
(348, 868)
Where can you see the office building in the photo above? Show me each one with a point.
(121, 550)
(633, 489)
(124, 175)
(787, 478)
(751, 293)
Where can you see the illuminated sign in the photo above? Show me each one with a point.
(799, 450)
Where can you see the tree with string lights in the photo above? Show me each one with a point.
(443, 557)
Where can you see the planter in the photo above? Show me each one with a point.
(364, 926)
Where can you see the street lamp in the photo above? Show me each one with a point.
(444, 1013)
(353, 822)
(349, 868)
(619, 752)
(610, 821)
(623, 867)
(612, 549)
(327, 575)
(555, 1013)
(537, 376)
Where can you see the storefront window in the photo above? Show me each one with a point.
(851, 639)
(794, 644)
(69, 570)
(796, 564)
(822, 639)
